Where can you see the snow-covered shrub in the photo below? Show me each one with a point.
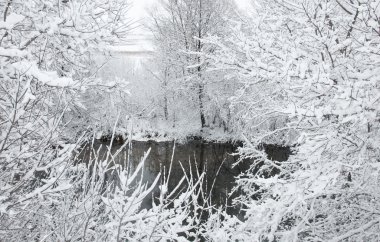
(100, 200)
(45, 51)
(314, 64)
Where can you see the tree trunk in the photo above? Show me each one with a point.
(200, 96)
(199, 69)
(166, 113)
(165, 84)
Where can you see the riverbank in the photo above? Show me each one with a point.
(179, 135)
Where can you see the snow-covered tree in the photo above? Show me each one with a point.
(46, 48)
(309, 68)
(178, 29)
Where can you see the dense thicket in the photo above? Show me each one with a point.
(310, 74)
(48, 50)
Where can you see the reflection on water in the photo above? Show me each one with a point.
(215, 159)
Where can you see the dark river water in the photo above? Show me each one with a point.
(194, 156)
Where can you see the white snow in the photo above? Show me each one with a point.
(49, 78)
(12, 52)
(11, 20)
